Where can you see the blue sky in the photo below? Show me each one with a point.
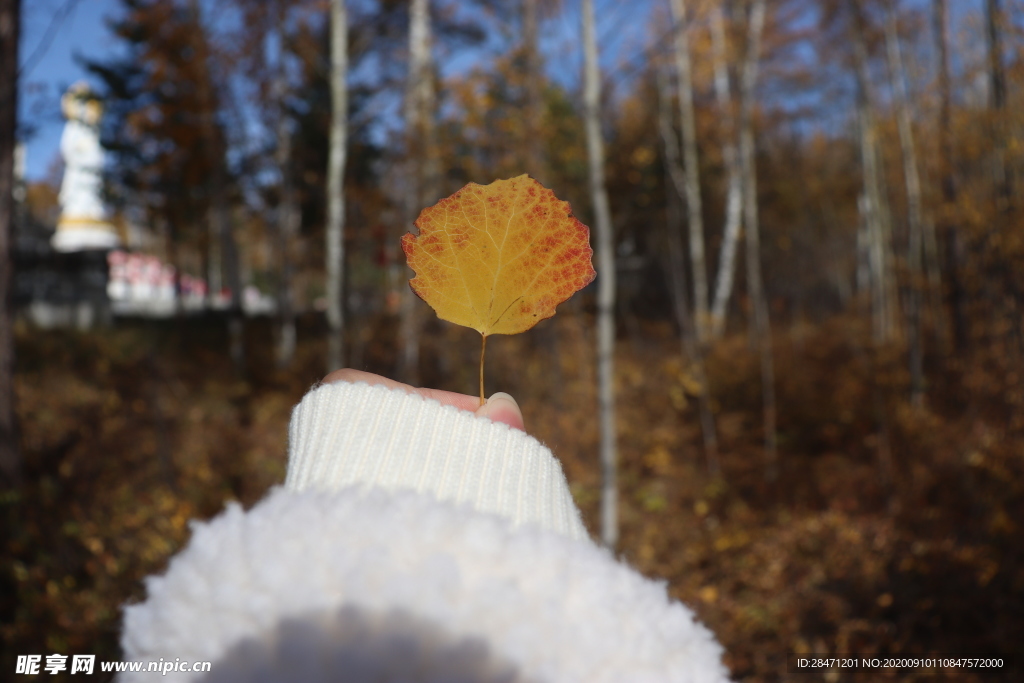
(48, 50)
(53, 69)
(49, 47)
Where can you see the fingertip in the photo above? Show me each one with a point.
(341, 375)
(502, 408)
(353, 376)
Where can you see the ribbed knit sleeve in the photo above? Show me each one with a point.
(417, 543)
(343, 434)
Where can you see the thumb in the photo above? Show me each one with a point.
(502, 408)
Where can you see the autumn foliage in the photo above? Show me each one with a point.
(133, 432)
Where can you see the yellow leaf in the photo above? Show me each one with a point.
(499, 257)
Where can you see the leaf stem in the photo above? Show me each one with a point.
(483, 353)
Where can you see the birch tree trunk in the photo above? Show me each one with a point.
(174, 260)
(1003, 142)
(674, 188)
(335, 234)
(220, 215)
(873, 204)
(545, 336)
(534, 158)
(875, 214)
(606, 280)
(229, 252)
(419, 113)
(755, 283)
(287, 220)
(997, 101)
(954, 244)
(692, 162)
(10, 23)
(734, 199)
(916, 222)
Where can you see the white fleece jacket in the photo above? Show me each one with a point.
(411, 542)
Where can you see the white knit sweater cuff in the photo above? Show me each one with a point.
(343, 434)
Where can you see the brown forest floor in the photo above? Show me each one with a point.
(887, 531)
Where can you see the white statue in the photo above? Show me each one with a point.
(84, 223)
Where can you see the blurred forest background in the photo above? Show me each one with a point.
(817, 229)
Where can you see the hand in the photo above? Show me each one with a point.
(499, 408)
